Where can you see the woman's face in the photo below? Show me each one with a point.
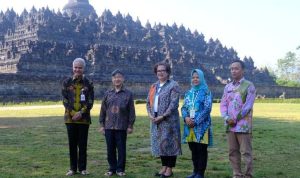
(77, 69)
(195, 79)
(161, 73)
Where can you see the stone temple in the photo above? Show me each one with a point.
(37, 48)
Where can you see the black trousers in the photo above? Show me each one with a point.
(78, 136)
(199, 157)
(116, 141)
(169, 161)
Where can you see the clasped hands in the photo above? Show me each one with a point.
(157, 120)
(190, 122)
(231, 122)
(77, 116)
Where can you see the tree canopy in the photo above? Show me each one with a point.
(288, 69)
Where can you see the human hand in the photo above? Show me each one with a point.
(231, 122)
(129, 130)
(151, 118)
(190, 122)
(77, 116)
(102, 130)
(158, 119)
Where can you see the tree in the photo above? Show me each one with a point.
(288, 68)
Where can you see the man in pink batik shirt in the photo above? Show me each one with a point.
(236, 108)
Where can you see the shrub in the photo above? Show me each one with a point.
(278, 100)
(216, 100)
(140, 101)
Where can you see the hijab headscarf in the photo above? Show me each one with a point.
(202, 84)
(197, 90)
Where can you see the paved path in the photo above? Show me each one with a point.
(14, 108)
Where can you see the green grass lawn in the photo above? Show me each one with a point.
(33, 143)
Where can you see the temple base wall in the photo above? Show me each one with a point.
(16, 88)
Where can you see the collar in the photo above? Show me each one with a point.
(113, 89)
(238, 82)
(158, 83)
(77, 78)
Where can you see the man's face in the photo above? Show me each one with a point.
(77, 69)
(117, 80)
(236, 71)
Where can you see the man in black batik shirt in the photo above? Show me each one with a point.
(116, 119)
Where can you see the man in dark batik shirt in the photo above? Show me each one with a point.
(116, 119)
(78, 99)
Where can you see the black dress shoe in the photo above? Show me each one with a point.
(198, 176)
(163, 176)
(157, 174)
(192, 175)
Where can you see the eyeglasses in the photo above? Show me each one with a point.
(161, 71)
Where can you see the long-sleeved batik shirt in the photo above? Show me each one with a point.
(78, 96)
(237, 104)
(117, 110)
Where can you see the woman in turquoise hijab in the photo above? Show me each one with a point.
(197, 122)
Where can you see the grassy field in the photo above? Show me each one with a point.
(33, 143)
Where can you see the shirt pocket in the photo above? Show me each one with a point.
(124, 102)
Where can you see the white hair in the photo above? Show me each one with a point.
(79, 60)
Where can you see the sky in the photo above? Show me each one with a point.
(263, 29)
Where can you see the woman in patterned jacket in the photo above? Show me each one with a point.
(162, 107)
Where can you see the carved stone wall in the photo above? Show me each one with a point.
(14, 88)
(37, 48)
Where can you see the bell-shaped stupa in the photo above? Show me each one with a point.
(79, 7)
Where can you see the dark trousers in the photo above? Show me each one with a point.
(169, 161)
(78, 136)
(116, 140)
(199, 157)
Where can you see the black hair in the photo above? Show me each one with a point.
(241, 63)
(117, 71)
